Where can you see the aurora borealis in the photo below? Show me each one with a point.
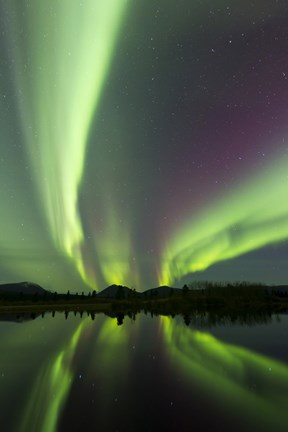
(143, 143)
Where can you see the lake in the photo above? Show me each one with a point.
(150, 373)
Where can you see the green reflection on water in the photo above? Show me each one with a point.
(53, 384)
(249, 382)
(231, 377)
(51, 389)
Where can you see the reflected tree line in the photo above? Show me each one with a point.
(197, 319)
(202, 304)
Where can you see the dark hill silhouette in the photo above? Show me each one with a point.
(117, 291)
(162, 291)
(18, 318)
(26, 288)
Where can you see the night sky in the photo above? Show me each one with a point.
(143, 142)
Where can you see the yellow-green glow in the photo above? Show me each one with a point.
(226, 371)
(113, 246)
(113, 340)
(111, 360)
(250, 217)
(70, 46)
(51, 389)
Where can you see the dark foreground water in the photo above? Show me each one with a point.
(147, 374)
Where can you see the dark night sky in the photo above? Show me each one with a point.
(143, 142)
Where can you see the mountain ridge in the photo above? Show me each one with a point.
(113, 291)
(22, 287)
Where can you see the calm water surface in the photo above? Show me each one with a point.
(147, 374)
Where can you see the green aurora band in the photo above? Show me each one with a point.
(226, 371)
(250, 217)
(62, 54)
(70, 46)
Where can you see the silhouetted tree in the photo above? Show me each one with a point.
(120, 319)
(186, 319)
(185, 290)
